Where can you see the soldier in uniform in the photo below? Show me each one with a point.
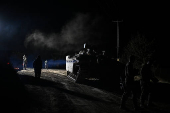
(146, 85)
(46, 65)
(24, 62)
(129, 84)
(37, 64)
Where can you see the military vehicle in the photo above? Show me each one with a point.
(91, 65)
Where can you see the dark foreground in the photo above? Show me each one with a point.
(55, 93)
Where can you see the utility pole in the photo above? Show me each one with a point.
(117, 38)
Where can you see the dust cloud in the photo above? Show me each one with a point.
(81, 29)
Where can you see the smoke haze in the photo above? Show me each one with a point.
(72, 36)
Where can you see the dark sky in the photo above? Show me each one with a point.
(65, 25)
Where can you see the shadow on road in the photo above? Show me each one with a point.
(160, 91)
(160, 94)
(26, 79)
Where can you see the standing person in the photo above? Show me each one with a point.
(24, 62)
(129, 84)
(146, 85)
(46, 65)
(37, 64)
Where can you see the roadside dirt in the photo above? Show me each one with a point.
(56, 93)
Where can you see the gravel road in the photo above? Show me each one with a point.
(56, 93)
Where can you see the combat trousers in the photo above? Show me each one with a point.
(146, 92)
(24, 66)
(127, 92)
(37, 73)
(46, 66)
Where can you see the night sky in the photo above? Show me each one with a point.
(63, 26)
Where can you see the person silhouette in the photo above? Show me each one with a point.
(24, 62)
(146, 85)
(46, 64)
(37, 64)
(129, 85)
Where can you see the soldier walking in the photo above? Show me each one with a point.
(146, 85)
(37, 64)
(129, 84)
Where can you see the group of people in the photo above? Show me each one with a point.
(37, 65)
(130, 86)
(129, 83)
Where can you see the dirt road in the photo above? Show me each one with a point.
(55, 93)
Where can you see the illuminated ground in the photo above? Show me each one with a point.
(55, 93)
